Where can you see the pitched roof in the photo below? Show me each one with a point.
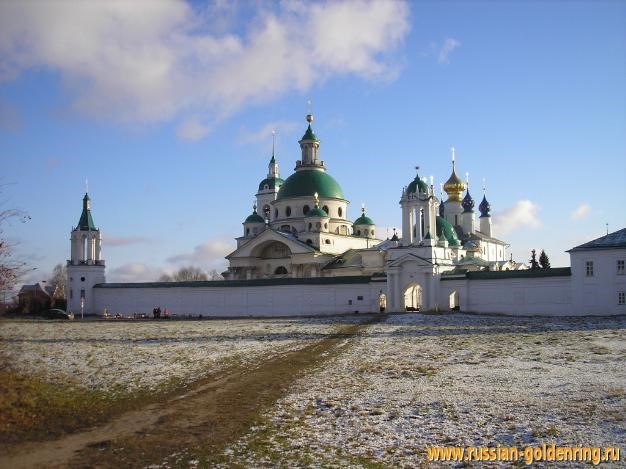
(615, 240)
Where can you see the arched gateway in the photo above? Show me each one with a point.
(412, 297)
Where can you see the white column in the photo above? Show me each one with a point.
(391, 300)
(398, 293)
(405, 226)
(98, 247)
(89, 242)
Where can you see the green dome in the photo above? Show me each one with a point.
(363, 220)
(316, 212)
(417, 185)
(445, 229)
(306, 183)
(254, 218)
(271, 183)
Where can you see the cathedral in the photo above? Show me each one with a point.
(300, 227)
(300, 253)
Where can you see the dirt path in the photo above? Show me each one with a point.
(215, 413)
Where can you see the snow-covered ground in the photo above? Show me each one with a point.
(131, 355)
(418, 380)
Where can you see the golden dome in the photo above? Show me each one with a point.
(454, 187)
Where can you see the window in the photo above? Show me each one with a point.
(325, 226)
(71, 293)
(266, 187)
(276, 213)
(372, 233)
(327, 241)
(358, 232)
(318, 225)
(620, 267)
(266, 211)
(340, 212)
(288, 211)
(360, 298)
(82, 279)
(309, 242)
(305, 209)
(82, 294)
(280, 271)
(589, 268)
(325, 208)
(310, 226)
(621, 298)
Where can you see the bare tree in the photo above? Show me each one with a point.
(215, 275)
(11, 268)
(185, 274)
(58, 278)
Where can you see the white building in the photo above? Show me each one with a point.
(300, 253)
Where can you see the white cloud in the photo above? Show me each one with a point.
(208, 255)
(581, 212)
(135, 272)
(522, 215)
(146, 61)
(264, 134)
(449, 44)
(192, 129)
(114, 241)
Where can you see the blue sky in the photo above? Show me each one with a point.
(167, 108)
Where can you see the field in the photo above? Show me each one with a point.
(352, 391)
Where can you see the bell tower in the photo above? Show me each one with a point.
(85, 268)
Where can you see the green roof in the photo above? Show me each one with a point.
(254, 218)
(446, 230)
(271, 183)
(86, 222)
(309, 134)
(364, 220)
(506, 274)
(417, 185)
(262, 282)
(316, 212)
(306, 182)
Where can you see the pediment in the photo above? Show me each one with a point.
(412, 258)
(268, 238)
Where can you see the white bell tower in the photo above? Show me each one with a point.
(86, 266)
(419, 213)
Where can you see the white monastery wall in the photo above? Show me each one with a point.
(514, 296)
(279, 300)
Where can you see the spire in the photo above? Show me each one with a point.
(85, 223)
(441, 204)
(273, 164)
(454, 186)
(309, 145)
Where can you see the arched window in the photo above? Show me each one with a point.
(266, 211)
(247, 231)
(309, 242)
(280, 271)
(358, 232)
(340, 212)
(305, 209)
(318, 225)
(325, 226)
(266, 187)
(276, 213)
(310, 226)
(372, 233)
(288, 211)
(327, 241)
(325, 208)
